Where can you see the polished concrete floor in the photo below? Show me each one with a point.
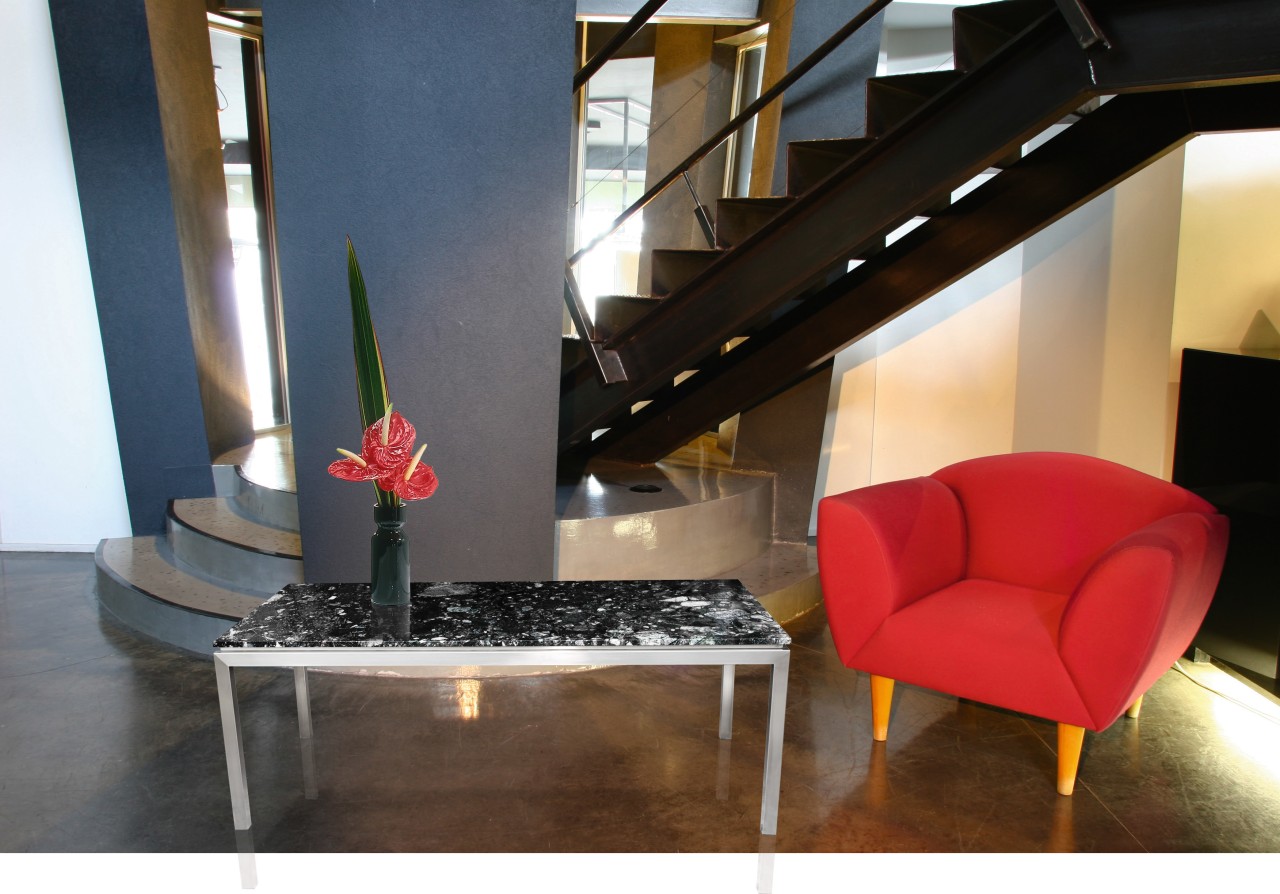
(110, 743)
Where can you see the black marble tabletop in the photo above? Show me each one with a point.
(551, 613)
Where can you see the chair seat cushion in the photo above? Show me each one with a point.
(992, 642)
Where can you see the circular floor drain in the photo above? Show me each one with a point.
(645, 488)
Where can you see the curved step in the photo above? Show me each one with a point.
(784, 578)
(273, 506)
(663, 521)
(213, 537)
(140, 586)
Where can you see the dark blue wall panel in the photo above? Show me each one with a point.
(108, 86)
(436, 134)
(829, 101)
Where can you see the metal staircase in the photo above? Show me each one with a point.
(794, 279)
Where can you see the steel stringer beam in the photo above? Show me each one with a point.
(1125, 135)
(1157, 45)
(1017, 93)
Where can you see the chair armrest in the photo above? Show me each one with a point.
(1138, 608)
(882, 547)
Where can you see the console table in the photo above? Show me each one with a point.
(527, 623)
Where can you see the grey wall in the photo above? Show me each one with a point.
(829, 101)
(437, 135)
(117, 143)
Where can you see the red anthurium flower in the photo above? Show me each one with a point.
(418, 481)
(355, 468)
(388, 443)
(386, 456)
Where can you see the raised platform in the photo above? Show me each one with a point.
(690, 518)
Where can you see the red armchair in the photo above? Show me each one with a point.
(1050, 584)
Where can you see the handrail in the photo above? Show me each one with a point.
(605, 53)
(871, 11)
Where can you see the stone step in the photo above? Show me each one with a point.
(624, 522)
(213, 536)
(784, 578)
(272, 506)
(140, 584)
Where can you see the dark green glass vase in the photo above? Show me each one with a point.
(389, 553)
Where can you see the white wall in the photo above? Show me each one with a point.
(1059, 344)
(930, 388)
(1097, 317)
(60, 479)
(904, 50)
(1229, 266)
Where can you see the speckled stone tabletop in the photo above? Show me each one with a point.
(515, 614)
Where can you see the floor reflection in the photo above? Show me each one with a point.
(112, 744)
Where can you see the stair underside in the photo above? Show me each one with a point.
(1027, 197)
(1015, 93)
(704, 522)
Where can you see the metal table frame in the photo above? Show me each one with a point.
(226, 660)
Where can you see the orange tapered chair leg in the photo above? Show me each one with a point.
(881, 697)
(1070, 742)
(1134, 709)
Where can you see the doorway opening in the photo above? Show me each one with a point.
(242, 120)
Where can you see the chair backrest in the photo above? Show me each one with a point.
(1042, 519)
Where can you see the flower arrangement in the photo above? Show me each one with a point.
(386, 456)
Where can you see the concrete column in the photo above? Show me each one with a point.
(435, 134)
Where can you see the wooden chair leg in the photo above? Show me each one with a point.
(881, 698)
(1134, 709)
(1070, 743)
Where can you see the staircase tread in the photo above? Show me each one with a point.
(908, 81)
(759, 201)
(690, 252)
(139, 563)
(842, 145)
(216, 517)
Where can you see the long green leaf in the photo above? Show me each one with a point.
(371, 378)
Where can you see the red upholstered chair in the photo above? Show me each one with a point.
(1051, 584)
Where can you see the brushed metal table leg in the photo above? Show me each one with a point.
(233, 742)
(726, 702)
(773, 744)
(310, 789)
(303, 694)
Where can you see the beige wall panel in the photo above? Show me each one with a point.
(1229, 264)
(947, 394)
(1066, 268)
(1134, 408)
(846, 455)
